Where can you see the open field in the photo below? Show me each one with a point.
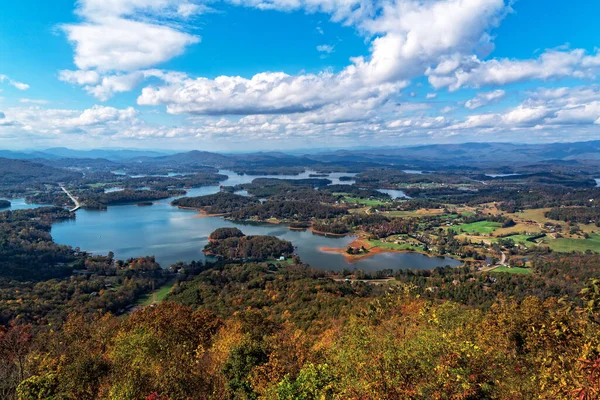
(535, 214)
(394, 246)
(479, 227)
(518, 229)
(565, 245)
(156, 296)
(515, 270)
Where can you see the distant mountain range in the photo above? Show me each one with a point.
(449, 154)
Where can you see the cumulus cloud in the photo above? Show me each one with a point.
(118, 38)
(544, 108)
(15, 84)
(79, 77)
(119, 44)
(56, 123)
(264, 93)
(410, 36)
(483, 99)
(457, 72)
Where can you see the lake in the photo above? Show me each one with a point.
(20, 204)
(172, 234)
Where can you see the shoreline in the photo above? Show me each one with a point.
(316, 232)
(201, 213)
(359, 242)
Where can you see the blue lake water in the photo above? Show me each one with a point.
(20, 204)
(172, 234)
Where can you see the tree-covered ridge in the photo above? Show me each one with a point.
(232, 244)
(268, 332)
(583, 215)
(26, 247)
(99, 200)
(15, 174)
(288, 210)
(218, 203)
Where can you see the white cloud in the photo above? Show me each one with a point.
(543, 109)
(109, 85)
(118, 38)
(33, 101)
(325, 48)
(79, 77)
(484, 99)
(118, 44)
(469, 71)
(410, 36)
(264, 93)
(95, 121)
(526, 115)
(15, 84)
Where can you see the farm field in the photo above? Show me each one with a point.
(479, 227)
(515, 270)
(566, 245)
(393, 246)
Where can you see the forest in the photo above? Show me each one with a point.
(231, 244)
(287, 332)
(218, 203)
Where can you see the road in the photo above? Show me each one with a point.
(501, 263)
(77, 205)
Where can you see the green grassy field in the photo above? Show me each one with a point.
(516, 270)
(479, 227)
(565, 245)
(158, 296)
(394, 246)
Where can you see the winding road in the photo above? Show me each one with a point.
(77, 205)
(501, 263)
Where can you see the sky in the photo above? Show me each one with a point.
(245, 75)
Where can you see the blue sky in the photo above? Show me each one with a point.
(286, 74)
